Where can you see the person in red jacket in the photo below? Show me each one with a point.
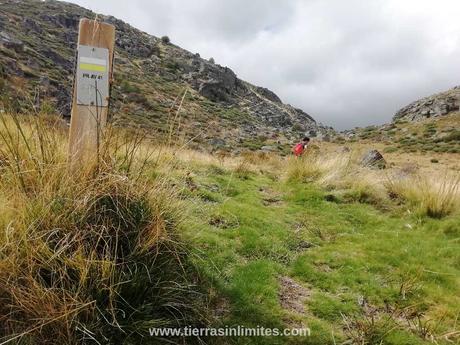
(299, 148)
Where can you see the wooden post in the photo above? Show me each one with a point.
(90, 93)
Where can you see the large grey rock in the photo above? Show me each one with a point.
(373, 159)
(216, 83)
(215, 90)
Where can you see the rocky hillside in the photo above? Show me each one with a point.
(37, 50)
(430, 124)
(433, 106)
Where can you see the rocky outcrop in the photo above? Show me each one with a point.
(38, 41)
(433, 106)
(268, 94)
(215, 83)
(10, 42)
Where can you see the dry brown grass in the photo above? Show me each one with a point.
(435, 196)
(429, 194)
(85, 248)
(341, 172)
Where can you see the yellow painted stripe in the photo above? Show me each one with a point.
(92, 67)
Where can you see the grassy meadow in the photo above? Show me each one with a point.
(163, 236)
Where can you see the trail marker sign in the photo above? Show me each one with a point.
(90, 101)
(92, 79)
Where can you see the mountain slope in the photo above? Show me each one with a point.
(436, 105)
(429, 124)
(37, 47)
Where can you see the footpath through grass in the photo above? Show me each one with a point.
(288, 255)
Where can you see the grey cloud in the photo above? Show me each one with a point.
(347, 63)
(237, 20)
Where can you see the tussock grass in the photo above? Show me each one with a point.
(307, 168)
(243, 169)
(339, 171)
(325, 169)
(432, 196)
(91, 253)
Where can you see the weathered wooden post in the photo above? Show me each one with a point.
(90, 99)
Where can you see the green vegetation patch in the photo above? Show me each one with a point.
(354, 257)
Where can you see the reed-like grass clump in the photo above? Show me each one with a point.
(341, 172)
(88, 253)
(434, 196)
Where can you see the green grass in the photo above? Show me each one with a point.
(221, 237)
(393, 260)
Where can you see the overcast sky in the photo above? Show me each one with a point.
(346, 63)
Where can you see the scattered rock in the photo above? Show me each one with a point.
(217, 142)
(268, 148)
(373, 159)
(11, 43)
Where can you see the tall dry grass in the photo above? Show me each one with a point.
(89, 253)
(434, 195)
(338, 171)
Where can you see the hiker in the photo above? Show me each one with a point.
(299, 148)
